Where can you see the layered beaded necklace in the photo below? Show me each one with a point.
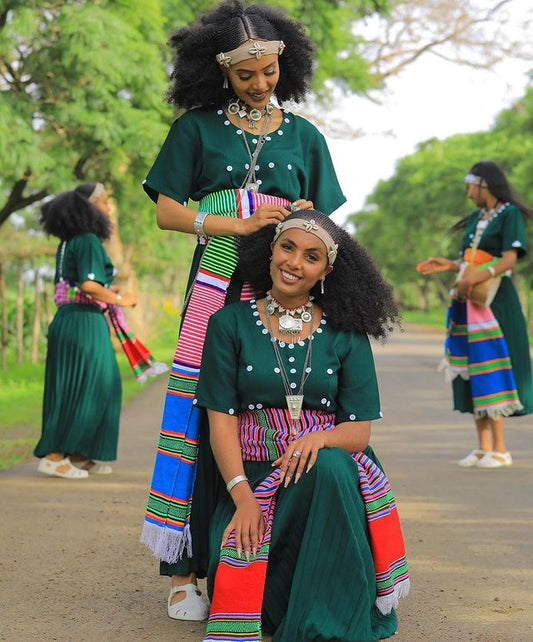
(290, 320)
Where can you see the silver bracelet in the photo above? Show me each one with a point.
(198, 224)
(491, 270)
(236, 480)
(119, 299)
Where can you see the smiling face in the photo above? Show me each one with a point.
(254, 80)
(299, 260)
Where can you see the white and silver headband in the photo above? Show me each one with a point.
(98, 190)
(250, 49)
(310, 226)
(472, 179)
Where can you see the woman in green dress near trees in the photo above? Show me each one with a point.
(247, 162)
(494, 239)
(289, 383)
(82, 391)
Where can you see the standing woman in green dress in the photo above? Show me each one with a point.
(82, 390)
(312, 549)
(494, 239)
(247, 162)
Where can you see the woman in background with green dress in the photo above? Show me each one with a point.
(82, 391)
(247, 162)
(289, 383)
(491, 375)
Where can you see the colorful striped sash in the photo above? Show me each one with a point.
(239, 585)
(475, 349)
(166, 529)
(139, 357)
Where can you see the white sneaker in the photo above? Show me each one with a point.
(471, 459)
(495, 460)
(193, 608)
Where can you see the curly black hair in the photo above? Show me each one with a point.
(71, 213)
(498, 186)
(356, 298)
(197, 78)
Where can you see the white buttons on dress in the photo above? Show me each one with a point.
(220, 112)
(259, 405)
(292, 359)
(352, 417)
(254, 141)
(323, 321)
(231, 411)
(293, 370)
(253, 306)
(259, 181)
(246, 166)
(256, 168)
(282, 344)
(249, 368)
(380, 414)
(264, 331)
(277, 370)
(194, 402)
(258, 322)
(256, 313)
(301, 343)
(91, 276)
(280, 132)
(329, 371)
(291, 346)
(226, 122)
(229, 168)
(271, 164)
(289, 166)
(319, 330)
(516, 244)
(286, 120)
(324, 400)
(308, 369)
(251, 406)
(268, 138)
(239, 131)
(293, 385)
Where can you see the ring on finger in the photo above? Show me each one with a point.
(297, 454)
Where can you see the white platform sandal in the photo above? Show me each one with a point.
(50, 468)
(94, 467)
(495, 460)
(471, 459)
(193, 607)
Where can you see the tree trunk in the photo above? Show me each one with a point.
(19, 320)
(36, 319)
(47, 303)
(3, 305)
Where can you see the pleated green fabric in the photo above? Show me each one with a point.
(83, 389)
(321, 582)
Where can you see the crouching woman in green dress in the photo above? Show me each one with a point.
(307, 542)
(82, 390)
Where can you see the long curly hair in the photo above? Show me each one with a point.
(356, 298)
(498, 186)
(197, 78)
(71, 213)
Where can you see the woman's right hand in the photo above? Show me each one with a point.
(265, 214)
(127, 300)
(249, 527)
(436, 264)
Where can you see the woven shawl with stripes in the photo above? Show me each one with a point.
(475, 349)
(166, 529)
(239, 585)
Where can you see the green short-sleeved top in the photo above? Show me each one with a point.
(240, 371)
(204, 153)
(85, 259)
(506, 231)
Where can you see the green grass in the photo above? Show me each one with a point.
(21, 391)
(436, 317)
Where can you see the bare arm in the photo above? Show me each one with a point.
(507, 262)
(172, 215)
(247, 522)
(435, 264)
(100, 293)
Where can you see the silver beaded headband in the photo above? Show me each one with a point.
(309, 225)
(250, 49)
(98, 190)
(476, 180)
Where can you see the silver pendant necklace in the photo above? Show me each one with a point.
(294, 401)
(288, 322)
(238, 108)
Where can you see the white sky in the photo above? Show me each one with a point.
(432, 98)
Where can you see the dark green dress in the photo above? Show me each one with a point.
(82, 388)
(321, 583)
(504, 232)
(204, 153)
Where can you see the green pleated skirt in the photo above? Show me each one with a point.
(321, 583)
(508, 313)
(82, 388)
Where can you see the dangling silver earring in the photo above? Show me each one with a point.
(225, 83)
(322, 285)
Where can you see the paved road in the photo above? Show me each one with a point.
(72, 568)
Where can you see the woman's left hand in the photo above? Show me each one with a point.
(300, 456)
(464, 285)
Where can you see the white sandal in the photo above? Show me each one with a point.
(193, 608)
(472, 458)
(97, 468)
(50, 468)
(495, 460)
